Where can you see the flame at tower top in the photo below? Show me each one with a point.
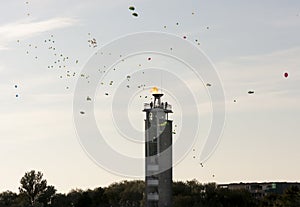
(154, 90)
(157, 103)
(158, 152)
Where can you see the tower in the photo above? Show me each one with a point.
(158, 156)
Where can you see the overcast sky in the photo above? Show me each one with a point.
(44, 45)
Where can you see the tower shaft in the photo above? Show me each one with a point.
(158, 148)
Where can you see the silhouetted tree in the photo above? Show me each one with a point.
(182, 200)
(291, 197)
(235, 198)
(21, 201)
(60, 200)
(180, 188)
(113, 193)
(35, 192)
(35, 188)
(271, 200)
(73, 197)
(47, 195)
(210, 195)
(132, 195)
(125, 194)
(8, 199)
(99, 198)
(84, 200)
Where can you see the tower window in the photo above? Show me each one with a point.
(150, 116)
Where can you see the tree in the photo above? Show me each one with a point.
(73, 196)
(132, 195)
(7, 198)
(46, 196)
(98, 197)
(235, 198)
(35, 188)
(84, 200)
(291, 197)
(59, 200)
(271, 200)
(113, 193)
(125, 193)
(21, 201)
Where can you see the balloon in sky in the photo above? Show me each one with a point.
(286, 74)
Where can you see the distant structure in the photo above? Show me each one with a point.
(158, 164)
(259, 190)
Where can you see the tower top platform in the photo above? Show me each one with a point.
(158, 104)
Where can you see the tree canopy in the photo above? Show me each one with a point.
(35, 189)
(35, 192)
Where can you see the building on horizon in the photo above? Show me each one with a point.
(259, 190)
(158, 153)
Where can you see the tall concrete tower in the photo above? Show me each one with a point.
(158, 164)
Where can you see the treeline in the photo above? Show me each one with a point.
(35, 192)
